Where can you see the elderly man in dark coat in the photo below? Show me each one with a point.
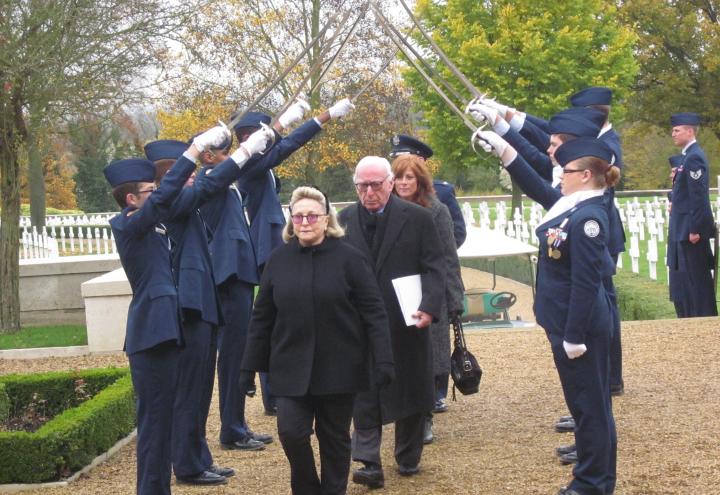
(401, 240)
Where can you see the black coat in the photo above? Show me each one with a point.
(410, 246)
(318, 319)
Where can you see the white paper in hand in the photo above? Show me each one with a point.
(409, 293)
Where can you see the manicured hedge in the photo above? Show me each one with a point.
(58, 390)
(639, 298)
(75, 436)
(5, 404)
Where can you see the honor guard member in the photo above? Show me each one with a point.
(592, 100)
(260, 188)
(563, 126)
(691, 225)
(597, 97)
(402, 144)
(154, 334)
(572, 304)
(192, 268)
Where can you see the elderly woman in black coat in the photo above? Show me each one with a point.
(320, 330)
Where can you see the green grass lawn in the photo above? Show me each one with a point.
(50, 336)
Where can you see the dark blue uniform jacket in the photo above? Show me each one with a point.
(192, 264)
(258, 187)
(571, 300)
(145, 250)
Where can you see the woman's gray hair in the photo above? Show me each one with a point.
(306, 192)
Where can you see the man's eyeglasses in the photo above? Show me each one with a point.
(374, 185)
(573, 170)
(310, 217)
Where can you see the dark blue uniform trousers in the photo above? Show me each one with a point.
(190, 453)
(585, 383)
(236, 299)
(206, 399)
(331, 415)
(691, 289)
(616, 375)
(154, 377)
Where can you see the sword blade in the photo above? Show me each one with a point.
(428, 79)
(285, 72)
(453, 68)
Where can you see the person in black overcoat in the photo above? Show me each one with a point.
(402, 240)
(320, 330)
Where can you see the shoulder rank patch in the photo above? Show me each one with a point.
(591, 228)
(696, 174)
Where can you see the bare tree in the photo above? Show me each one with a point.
(59, 58)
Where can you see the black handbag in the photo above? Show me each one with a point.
(464, 368)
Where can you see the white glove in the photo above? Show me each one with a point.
(341, 108)
(557, 174)
(490, 102)
(489, 141)
(294, 113)
(255, 143)
(518, 121)
(212, 137)
(574, 351)
(484, 113)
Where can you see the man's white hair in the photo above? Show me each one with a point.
(372, 160)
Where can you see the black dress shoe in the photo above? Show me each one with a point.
(562, 419)
(428, 436)
(204, 478)
(271, 412)
(616, 390)
(261, 437)
(569, 458)
(440, 406)
(408, 470)
(247, 444)
(222, 471)
(567, 491)
(565, 449)
(370, 475)
(565, 426)
(251, 391)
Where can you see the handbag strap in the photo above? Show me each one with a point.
(459, 333)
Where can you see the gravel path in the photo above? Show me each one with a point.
(501, 440)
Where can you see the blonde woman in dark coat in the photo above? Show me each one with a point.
(320, 330)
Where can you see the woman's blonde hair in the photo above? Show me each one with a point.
(307, 192)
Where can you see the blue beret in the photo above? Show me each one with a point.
(675, 160)
(684, 118)
(165, 149)
(581, 147)
(579, 121)
(591, 96)
(130, 170)
(402, 144)
(253, 119)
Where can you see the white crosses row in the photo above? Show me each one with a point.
(646, 222)
(72, 220)
(52, 242)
